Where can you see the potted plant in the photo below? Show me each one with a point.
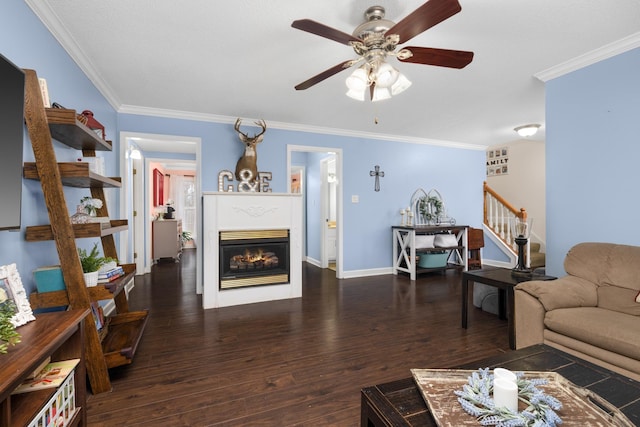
(91, 263)
(185, 237)
(8, 334)
(91, 205)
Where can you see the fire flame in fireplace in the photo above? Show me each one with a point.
(254, 259)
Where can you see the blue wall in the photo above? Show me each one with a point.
(28, 44)
(592, 152)
(457, 173)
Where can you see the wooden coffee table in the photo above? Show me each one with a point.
(399, 403)
(502, 279)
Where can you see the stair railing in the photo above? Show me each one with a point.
(498, 214)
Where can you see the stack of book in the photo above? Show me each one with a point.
(106, 276)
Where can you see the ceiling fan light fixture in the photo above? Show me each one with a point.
(402, 83)
(526, 131)
(358, 95)
(380, 94)
(358, 80)
(386, 75)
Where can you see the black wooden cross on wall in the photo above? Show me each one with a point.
(378, 174)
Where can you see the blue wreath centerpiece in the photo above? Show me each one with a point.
(476, 399)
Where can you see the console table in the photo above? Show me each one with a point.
(405, 251)
(399, 403)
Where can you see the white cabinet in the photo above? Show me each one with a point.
(166, 239)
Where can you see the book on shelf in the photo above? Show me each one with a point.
(52, 375)
(109, 279)
(111, 272)
(98, 315)
(49, 278)
(40, 367)
(110, 275)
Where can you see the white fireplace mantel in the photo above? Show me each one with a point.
(250, 211)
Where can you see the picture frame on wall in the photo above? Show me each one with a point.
(11, 288)
(158, 188)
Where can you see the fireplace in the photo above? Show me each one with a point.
(253, 258)
(232, 220)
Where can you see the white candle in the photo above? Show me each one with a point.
(505, 394)
(506, 374)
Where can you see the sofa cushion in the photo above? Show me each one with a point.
(618, 299)
(611, 330)
(588, 260)
(623, 268)
(568, 291)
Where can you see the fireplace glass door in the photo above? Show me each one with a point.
(253, 258)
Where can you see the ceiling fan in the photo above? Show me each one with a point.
(376, 39)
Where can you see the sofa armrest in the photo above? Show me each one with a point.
(528, 318)
(566, 292)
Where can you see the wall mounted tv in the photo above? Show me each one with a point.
(11, 143)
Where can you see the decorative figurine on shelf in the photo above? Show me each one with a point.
(402, 212)
(80, 217)
(94, 125)
(170, 210)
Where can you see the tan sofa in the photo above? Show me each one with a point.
(592, 312)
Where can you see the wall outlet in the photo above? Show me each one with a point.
(355, 199)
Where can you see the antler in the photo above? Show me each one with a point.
(244, 137)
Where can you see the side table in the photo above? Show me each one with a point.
(502, 279)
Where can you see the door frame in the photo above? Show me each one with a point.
(141, 227)
(339, 198)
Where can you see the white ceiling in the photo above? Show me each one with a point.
(217, 60)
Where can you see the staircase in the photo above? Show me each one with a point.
(498, 214)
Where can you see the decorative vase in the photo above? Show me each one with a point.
(80, 217)
(91, 279)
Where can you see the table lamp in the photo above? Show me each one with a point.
(521, 230)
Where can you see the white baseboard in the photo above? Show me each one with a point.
(493, 263)
(315, 262)
(366, 273)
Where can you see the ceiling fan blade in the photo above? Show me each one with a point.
(322, 30)
(439, 57)
(426, 16)
(324, 75)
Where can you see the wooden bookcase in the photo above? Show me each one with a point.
(124, 330)
(55, 335)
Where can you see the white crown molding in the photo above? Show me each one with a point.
(215, 118)
(60, 32)
(612, 49)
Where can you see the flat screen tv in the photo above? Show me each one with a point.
(11, 143)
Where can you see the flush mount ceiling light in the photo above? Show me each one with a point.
(376, 40)
(526, 131)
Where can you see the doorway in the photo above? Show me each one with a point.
(177, 153)
(315, 163)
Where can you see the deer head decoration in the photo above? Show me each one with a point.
(249, 159)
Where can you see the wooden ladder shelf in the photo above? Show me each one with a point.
(118, 346)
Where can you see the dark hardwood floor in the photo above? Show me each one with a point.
(298, 362)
